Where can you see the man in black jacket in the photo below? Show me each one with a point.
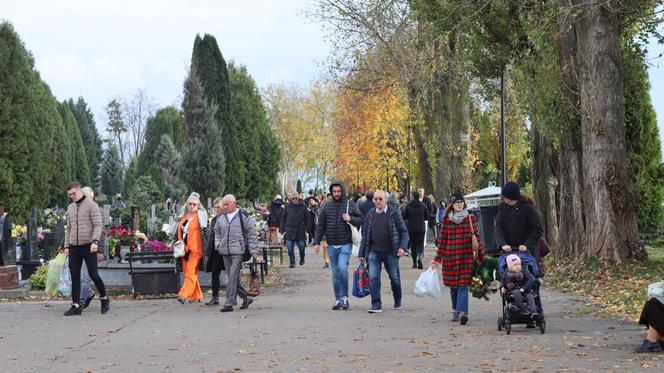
(293, 227)
(430, 214)
(334, 222)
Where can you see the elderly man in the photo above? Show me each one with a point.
(384, 241)
(235, 232)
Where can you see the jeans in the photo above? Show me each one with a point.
(291, 249)
(391, 263)
(339, 256)
(459, 299)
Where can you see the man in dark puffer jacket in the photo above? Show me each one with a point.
(333, 222)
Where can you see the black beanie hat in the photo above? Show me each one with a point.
(415, 194)
(456, 197)
(511, 190)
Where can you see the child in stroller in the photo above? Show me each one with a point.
(518, 282)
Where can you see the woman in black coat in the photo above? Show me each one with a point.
(213, 261)
(518, 223)
(416, 215)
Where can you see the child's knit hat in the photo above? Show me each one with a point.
(512, 261)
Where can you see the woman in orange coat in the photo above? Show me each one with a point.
(190, 230)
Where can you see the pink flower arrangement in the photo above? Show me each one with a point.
(154, 246)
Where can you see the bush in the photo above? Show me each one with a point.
(38, 278)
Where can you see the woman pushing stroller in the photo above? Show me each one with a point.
(518, 223)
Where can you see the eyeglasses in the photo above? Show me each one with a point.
(192, 204)
(72, 193)
(219, 207)
(378, 198)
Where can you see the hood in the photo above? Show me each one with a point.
(277, 203)
(341, 184)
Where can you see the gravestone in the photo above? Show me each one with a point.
(8, 268)
(30, 251)
(106, 215)
(135, 218)
(152, 220)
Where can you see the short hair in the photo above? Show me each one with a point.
(370, 195)
(88, 190)
(216, 200)
(380, 192)
(73, 185)
(230, 198)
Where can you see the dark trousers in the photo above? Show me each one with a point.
(416, 245)
(78, 254)
(217, 266)
(518, 301)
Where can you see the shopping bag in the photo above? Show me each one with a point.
(356, 235)
(361, 283)
(55, 266)
(64, 286)
(253, 287)
(428, 284)
(656, 290)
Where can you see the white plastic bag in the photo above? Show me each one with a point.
(356, 242)
(656, 290)
(64, 287)
(428, 284)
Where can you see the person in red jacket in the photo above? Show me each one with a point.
(455, 251)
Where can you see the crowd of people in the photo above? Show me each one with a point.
(391, 227)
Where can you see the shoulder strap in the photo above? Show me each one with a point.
(244, 232)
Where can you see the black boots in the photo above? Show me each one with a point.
(213, 302)
(74, 311)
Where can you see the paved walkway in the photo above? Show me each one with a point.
(291, 328)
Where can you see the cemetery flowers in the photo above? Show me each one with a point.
(20, 233)
(119, 236)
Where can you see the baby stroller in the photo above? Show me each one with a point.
(511, 315)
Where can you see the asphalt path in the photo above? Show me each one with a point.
(292, 328)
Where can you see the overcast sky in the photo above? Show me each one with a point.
(100, 50)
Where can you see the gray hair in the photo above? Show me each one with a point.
(229, 198)
(384, 193)
(393, 198)
(217, 200)
(87, 190)
(194, 197)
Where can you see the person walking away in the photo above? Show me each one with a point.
(214, 263)
(384, 241)
(82, 235)
(235, 232)
(368, 204)
(333, 224)
(274, 220)
(293, 227)
(416, 215)
(518, 223)
(427, 202)
(190, 230)
(455, 251)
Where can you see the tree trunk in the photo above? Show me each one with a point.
(572, 226)
(608, 188)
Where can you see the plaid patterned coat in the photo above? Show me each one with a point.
(455, 250)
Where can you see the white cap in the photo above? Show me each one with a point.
(278, 196)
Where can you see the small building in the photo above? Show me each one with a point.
(489, 196)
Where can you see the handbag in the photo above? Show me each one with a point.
(356, 236)
(473, 241)
(253, 287)
(178, 249)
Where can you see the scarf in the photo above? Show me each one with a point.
(458, 217)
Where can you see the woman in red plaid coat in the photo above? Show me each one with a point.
(455, 251)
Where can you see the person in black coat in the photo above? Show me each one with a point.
(415, 214)
(518, 223)
(293, 227)
(213, 261)
(274, 220)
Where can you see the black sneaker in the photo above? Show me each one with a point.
(246, 302)
(463, 318)
(302, 262)
(375, 309)
(227, 309)
(648, 346)
(105, 305)
(337, 305)
(292, 265)
(74, 311)
(455, 317)
(87, 301)
(344, 304)
(419, 264)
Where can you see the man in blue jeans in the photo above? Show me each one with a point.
(293, 226)
(334, 224)
(384, 241)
